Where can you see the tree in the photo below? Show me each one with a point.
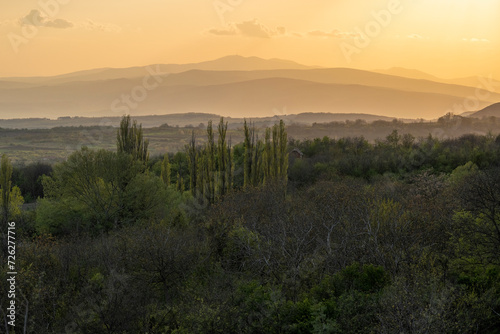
(249, 132)
(166, 170)
(192, 154)
(283, 152)
(130, 140)
(95, 183)
(224, 155)
(11, 199)
(478, 224)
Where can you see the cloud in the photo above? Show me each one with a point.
(106, 27)
(251, 28)
(332, 34)
(35, 18)
(415, 36)
(476, 40)
(256, 29)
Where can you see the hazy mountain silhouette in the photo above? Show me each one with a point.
(409, 73)
(481, 82)
(492, 110)
(209, 87)
(229, 63)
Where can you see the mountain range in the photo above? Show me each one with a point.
(237, 87)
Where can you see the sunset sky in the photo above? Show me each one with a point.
(447, 38)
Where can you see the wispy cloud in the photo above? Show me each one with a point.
(35, 18)
(256, 29)
(476, 40)
(415, 36)
(252, 28)
(332, 34)
(106, 27)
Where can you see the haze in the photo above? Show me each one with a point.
(446, 38)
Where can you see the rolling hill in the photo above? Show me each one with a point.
(490, 111)
(263, 88)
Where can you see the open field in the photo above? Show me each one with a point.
(52, 145)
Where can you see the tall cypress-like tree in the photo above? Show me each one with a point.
(249, 144)
(192, 155)
(5, 186)
(275, 170)
(267, 157)
(223, 157)
(230, 168)
(283, 152)
(11, 199)
(130, 139)
(210, 163)
(166, 170)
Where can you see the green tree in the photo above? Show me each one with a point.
(11, 199)
(166, 170)
(95, 181)
(249, 143)
(224, 155)
(130, 139)
(283, 152)
(192, 155)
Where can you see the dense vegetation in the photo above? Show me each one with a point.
(57, 143)
(394, 236)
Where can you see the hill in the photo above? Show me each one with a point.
(229, 63)
(490, 111)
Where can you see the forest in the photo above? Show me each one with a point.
(268, 235)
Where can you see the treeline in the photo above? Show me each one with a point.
(397, 236)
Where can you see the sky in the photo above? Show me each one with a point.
(446, 38)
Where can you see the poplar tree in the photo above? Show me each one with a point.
(11, 199)
(210, 162)
(130, 139)
(192, 156)
(166, 170)
(249, 132)
(224, 156)
(283, 152)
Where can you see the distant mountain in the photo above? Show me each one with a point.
(185, 119)
(229, 63)
(409, 73)
(233, 86)
(344, 76)
(481, 82)
(492, 110)
(250, 98)
(484, 82)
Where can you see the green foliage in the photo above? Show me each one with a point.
(130, 140)
(398, 236)
(166, 170)
(11, 199)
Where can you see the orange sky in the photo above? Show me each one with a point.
(447, 38)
